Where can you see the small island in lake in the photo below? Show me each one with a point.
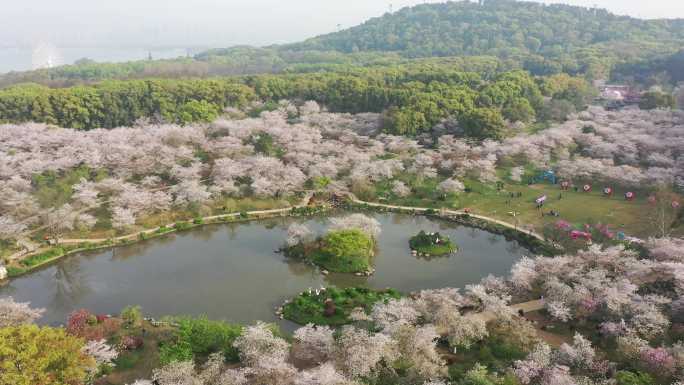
(347, 247)
(343, 251)
(333, 306)
(431, 244)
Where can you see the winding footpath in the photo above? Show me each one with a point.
(31, 248)
(304, 203)
(34, 249)
(524, 307)
(451, 213)
(211, 219)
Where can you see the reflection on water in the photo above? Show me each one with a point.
(232, 272)
(70, 284)
(493, 239)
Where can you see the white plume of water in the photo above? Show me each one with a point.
(45, 55)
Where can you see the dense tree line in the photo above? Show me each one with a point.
(546, 38)
(414, 98)
(496, 34)
(118, 103)
(665, 70)
(242, 61)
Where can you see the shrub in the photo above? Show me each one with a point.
(163, 229)
(624, 377)
(40, 258)
(431, 243)
(13, 271)
(131, 343)
(132, 315)
(180, 226)
(82, 323)
(42, 355)
(174, 351)
(199, 337)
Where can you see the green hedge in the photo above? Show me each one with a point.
(42, 257)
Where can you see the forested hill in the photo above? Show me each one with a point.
(574, 36)
(495, 36)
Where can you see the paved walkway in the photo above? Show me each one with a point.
(30, 247)
(526, 307)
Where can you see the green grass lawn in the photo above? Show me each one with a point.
(631, 217)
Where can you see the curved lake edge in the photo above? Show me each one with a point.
(525, 239)
(232, 272)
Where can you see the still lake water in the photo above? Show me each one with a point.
(231, 272)
(22, 58)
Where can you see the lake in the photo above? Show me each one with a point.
(22, 58)
(232, 272)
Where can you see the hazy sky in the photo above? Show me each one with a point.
(217, 23)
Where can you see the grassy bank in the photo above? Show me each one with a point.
(45, 257)
(514, 202)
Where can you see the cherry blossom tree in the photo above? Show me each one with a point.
(362, 222)
(122, 217)
(101, 352)
(461, 331)
(298, 233)
(523, 273)
(17, 313)
(85, 193)
(358, 352)
(394, 313)
(400, 189)
(418, 347)
(580, 354)
(265, 355)
(314, 344)
(85, 221)
(60, 220)
(325, 374)
(176, 373)
(517, 173)
(658, 360)
(450, 186)
(10, 228)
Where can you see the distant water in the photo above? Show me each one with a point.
(20, 59)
